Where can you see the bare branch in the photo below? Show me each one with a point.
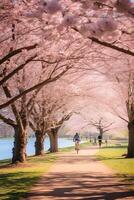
(49, 80)
(7, 120)
(109, 45)
(15, 52)
(7, 77)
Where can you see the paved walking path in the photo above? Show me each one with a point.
(79, 177)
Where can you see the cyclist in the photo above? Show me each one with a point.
(76, 139)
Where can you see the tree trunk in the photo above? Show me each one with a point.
(130, 153)
(53, 141)
(20, 141)
(39, 143)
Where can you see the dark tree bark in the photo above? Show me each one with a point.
(53, 140)
(20, 141)
(20, 128)
(130, 153)
(39, 143)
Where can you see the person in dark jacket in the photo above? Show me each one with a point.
(100, 140)
(76, 139)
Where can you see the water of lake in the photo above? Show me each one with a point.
(6, 145)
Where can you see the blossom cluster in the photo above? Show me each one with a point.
(125, 6)
(98, 28)
(102, 26)
(62, 14)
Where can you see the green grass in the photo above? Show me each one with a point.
(113, 158)
(123, 167)
(15, 181)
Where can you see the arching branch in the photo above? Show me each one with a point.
(109, 45)
(15, 52)
(7, 120)
(7, 77)
(48, 80)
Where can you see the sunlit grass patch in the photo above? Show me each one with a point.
(15, 181)
(122, 166)
(114, 159)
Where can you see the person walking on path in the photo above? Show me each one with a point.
(100, 140)
(76, 139)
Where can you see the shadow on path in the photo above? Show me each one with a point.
(80, 177)
(80, 186)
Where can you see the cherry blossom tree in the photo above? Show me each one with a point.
(16, 86)
(126, 86)
(47, 116)
(53, 133)
(56, 16)
(120, 101)
(100, 21)
(101, 125)
(22, 108)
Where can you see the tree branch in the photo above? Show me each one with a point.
(7, 120)
(106, 44)
(7, 77)
(32, 126)
(14, 109)
(17, 51)
(49, 80)
(109, 45)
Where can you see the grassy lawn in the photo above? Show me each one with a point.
(112, 157)
(16, 181)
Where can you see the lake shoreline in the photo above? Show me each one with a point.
(6, 145)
